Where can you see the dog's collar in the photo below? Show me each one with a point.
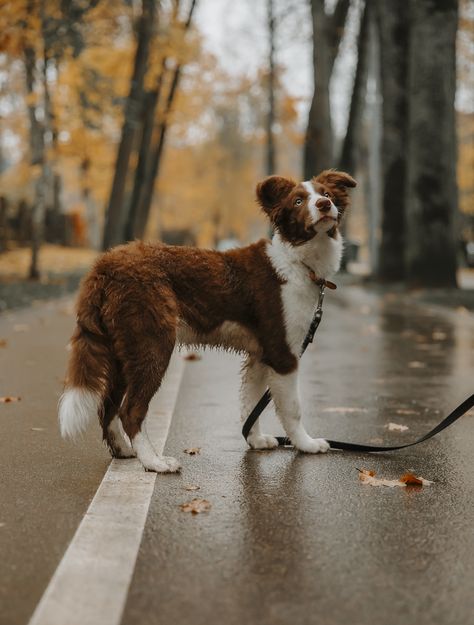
(319, 281)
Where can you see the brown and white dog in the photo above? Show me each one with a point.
(140, 300)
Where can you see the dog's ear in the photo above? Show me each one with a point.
(336, 178)
(337, 182)
(272, 191)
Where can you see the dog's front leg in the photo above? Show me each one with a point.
(284, 390)
(254, 385)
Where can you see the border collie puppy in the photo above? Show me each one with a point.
(140, 300)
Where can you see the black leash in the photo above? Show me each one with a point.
(284, 441)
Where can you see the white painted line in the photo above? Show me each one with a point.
(91, 583)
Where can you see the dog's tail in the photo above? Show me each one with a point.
(90, 363)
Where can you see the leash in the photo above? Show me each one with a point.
(284, 441)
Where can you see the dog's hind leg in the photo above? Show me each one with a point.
(118, 445)
(145, 360)
(113, 436)
(254, 385)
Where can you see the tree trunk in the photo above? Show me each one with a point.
(144, 205)
(134, 226)
(431, 197)
(351, 146)
(318, 149)
(327, 35)
(141, 208)
(349, 152)
(270, 164)
(3, 224)
(335, 28)
(393, 29)
(37, 158)
(115, 215)
(374, 143)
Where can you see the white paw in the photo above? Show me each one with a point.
(162, 464)
(262, 441)
(313, 446)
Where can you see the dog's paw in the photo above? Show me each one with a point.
(162, 464)
(313, 446)
(262, 441)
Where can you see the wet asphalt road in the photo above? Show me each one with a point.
(298, 539)
(289, 538)
(46, 483)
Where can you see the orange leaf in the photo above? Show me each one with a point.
(365, 473)
(196, 506)
(192, 451)
(8, 400)
(411, 480)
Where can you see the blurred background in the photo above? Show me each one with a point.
(125, 119)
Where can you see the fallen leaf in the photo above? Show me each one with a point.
(396, 427)
(344, 409)
(416, 364)
(411, 480)
(408, 479)
(38, 429)
(3, 343)
(21, 327)
(196, 506)
(192, 451)
(191, 487)
(405, 411)
(192, 356)
(8, 400)
(364, 473)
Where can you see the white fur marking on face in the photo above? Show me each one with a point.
(314, 196)
(76, 407)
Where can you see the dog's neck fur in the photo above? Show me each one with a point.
(322, 254)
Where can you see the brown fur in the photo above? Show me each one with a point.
(131, 304)
(139, 300)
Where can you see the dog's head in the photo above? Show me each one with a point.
(301, 210)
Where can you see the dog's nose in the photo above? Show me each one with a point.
(324, 204)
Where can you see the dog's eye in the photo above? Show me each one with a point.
(326, 194)
(298, 201)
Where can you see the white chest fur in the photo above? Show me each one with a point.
(299, 294)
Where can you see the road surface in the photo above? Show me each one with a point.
(289, 538)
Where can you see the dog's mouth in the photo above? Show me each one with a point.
(325, 218)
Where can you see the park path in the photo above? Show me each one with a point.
(289, 538)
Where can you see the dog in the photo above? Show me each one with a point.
(140, 300)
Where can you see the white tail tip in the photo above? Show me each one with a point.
(76, 407)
